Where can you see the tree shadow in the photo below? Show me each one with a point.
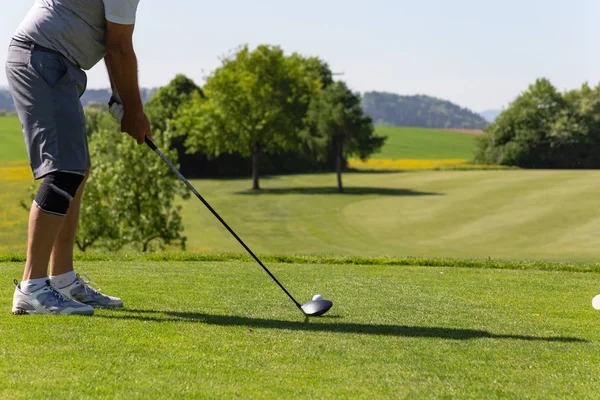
(348, 191)
(377, 171)
(335, 327)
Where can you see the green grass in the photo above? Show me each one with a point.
(516, 215)
(12, 147)
(223, 330)
(424, 144)
(402, 143)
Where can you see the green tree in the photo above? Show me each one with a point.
(341, 125)
(575, 134)
(521, 135)
(130, 194)
(165, 104)
(255, 105)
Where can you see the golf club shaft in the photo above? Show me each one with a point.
(199, 196)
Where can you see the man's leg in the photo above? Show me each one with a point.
(47, 217)
(62, 274)
(61, 261)
(43, 230)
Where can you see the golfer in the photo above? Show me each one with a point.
(47, 56)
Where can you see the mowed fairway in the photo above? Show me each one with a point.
(427, 144)
(224, 330)
(549, 215)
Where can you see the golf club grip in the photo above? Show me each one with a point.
(221, 220)
(151, 145)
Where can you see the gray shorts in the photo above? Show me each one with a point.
(46, 88)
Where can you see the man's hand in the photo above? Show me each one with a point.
(116, 110)
(137, 126)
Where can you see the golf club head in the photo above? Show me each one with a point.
(316, 308)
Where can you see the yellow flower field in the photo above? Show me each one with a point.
(15, 171)
(15, 179)
(388, 164)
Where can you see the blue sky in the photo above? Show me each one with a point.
(480, 54)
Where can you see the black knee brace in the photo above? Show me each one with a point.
(57, 190)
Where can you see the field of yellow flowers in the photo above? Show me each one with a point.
(15, 178)
(393, 165)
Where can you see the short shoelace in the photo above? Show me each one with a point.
(58, 295)
(87, 283)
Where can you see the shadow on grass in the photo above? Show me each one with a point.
(353, 190)
(377, 171)
(336, 327)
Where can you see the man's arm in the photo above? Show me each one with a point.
(112, 83)
(121, 63)
(115, 105)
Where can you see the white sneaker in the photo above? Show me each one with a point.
(80, 291)
(46, 301)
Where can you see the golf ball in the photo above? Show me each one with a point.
(317, 297)
(596, 302)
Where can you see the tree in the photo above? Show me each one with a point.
(255, 105)
(546, 129)
(575, 134)
(167, 101)
(340, 124)
(130, 194)
(520, 136)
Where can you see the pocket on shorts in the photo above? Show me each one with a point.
(51, 68)
(17, 56)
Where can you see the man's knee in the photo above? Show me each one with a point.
(57, 191)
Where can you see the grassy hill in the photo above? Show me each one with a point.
(402, 143)
(422, 143)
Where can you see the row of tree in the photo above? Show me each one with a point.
(544, 128)
(258, 106)
(263, 103)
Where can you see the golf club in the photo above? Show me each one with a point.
(313, 308)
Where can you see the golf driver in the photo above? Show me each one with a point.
(313, 308)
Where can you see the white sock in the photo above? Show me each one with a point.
(31, 285)
(63, 280)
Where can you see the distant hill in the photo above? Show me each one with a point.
(419, 111)
(100, 96)
(490, 115)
